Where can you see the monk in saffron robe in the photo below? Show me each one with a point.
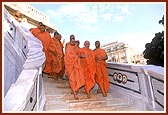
(77, 42)
(68, 44)
(101, 73)
(62, 72)
(73, 67)
(57, 55)
(36, 31)
(89, 66)
(45, 38)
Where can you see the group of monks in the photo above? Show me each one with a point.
(82, 66)
(85, 67)
(53, 49)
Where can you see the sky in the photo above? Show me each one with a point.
(133, 23)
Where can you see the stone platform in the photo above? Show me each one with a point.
(59, 99)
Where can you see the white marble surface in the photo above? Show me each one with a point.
(16, 97)
(20, 91)
(25, 65)
(148, 80)
(27, 75)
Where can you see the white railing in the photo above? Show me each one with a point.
(142, 84)
(23, 62)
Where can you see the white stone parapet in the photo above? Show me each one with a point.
(23, 62)
(142, 84)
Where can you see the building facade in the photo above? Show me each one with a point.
(139, 58)
(121, 53)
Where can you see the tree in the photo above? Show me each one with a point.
(154, 52)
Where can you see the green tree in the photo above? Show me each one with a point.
(154, 52)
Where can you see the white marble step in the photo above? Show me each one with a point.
(59, 98)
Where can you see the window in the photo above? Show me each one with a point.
(108, 50)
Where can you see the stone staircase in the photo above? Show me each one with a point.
(59, 98)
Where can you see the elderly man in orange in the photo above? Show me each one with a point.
(89, 66)
(73, 67)
(101, 73)
(45, 38)
(57, 55)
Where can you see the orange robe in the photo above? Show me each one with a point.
(101, 73)
(45, 38)
(73, 67)
(57, 55)
(35, 31)
(77, 48)
(89, 68)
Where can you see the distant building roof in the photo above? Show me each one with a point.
(32, 14)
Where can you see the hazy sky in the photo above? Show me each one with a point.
(131, 23)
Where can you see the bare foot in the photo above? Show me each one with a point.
(55, 78)
(51, 76)
(88, 95)
(77, 92)
(85, 92)
(61, 77)
(104, 94)
(76, 96)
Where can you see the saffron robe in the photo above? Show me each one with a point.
(89, 67)
(35, 31)
(57, 55)
(101, 73)
(73, 67)
(45, 38)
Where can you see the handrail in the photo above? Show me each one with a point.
(139, 82)
(23, 92)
